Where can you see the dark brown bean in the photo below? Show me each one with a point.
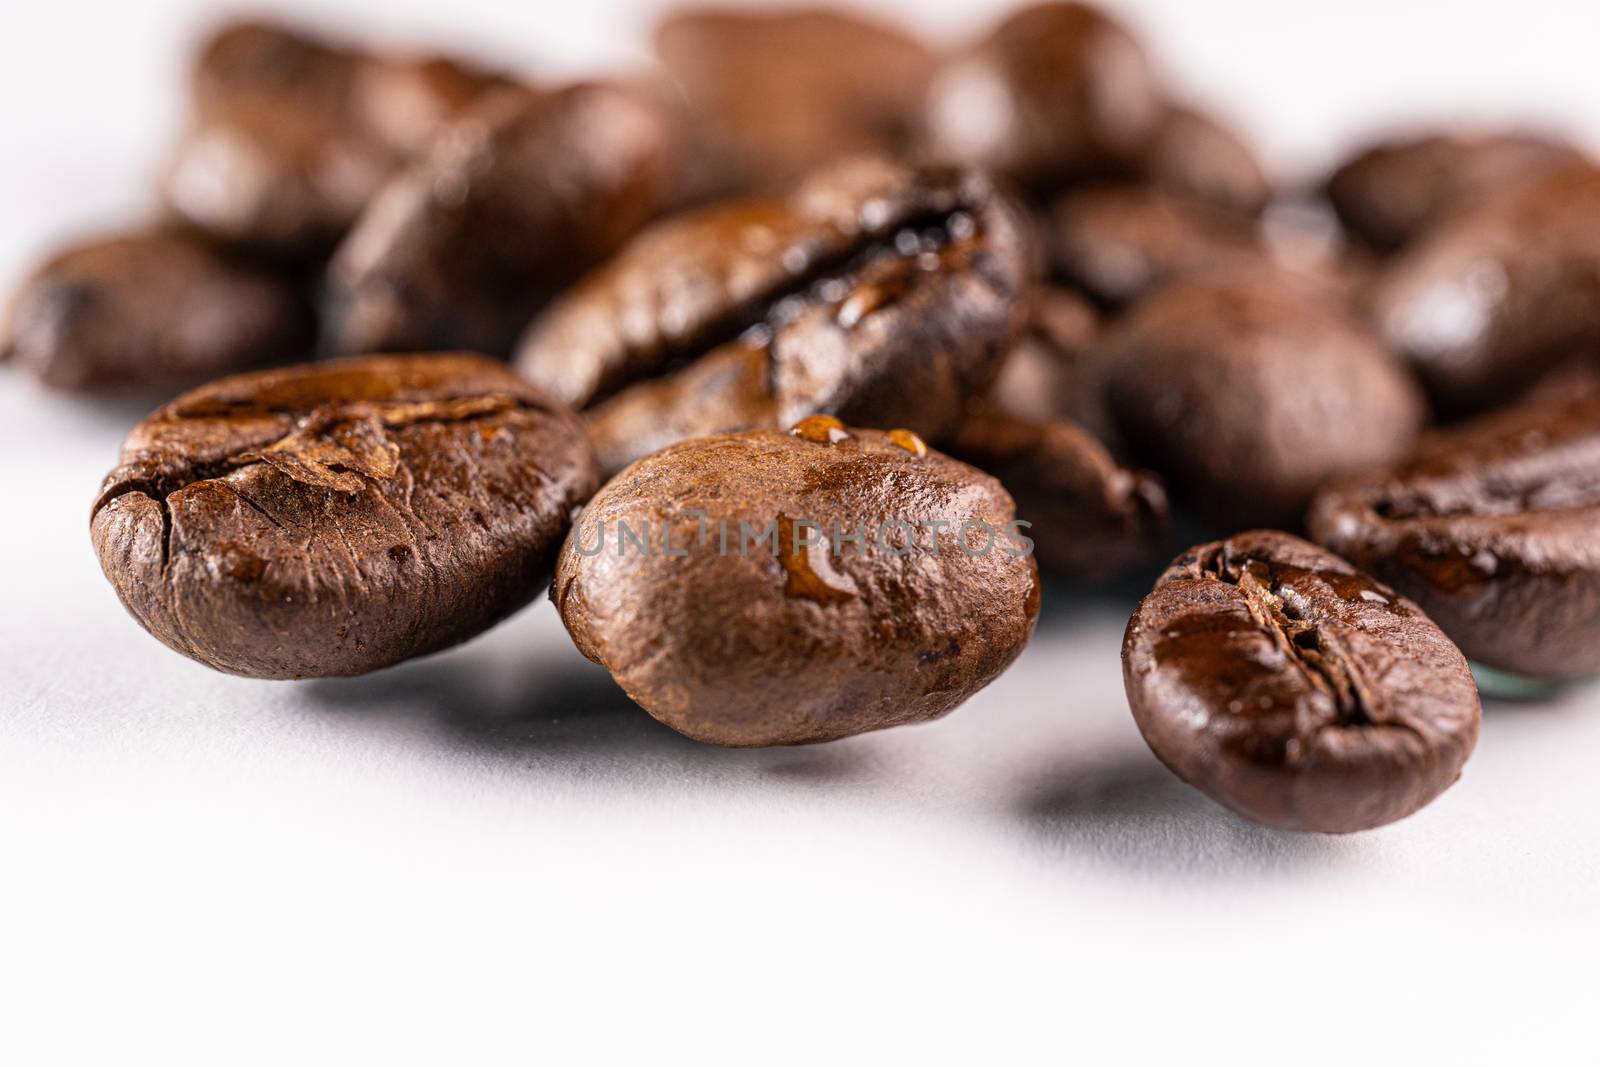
(1494, 528)
(1193, 154)
(152, 310)
(1288, 686)
(335, 518)
(799, 637)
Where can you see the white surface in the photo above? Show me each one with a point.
(490, 856)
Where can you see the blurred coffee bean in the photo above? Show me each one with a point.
(335, 518)
(769, 588)
(1288, 686)
(1194, 155)
(781, 93)
(1091, 519)
(291, 136)
(1500, 293)
(880, 293)
(513, 201)
(1390, 193)
(154, 310)
(1494, 528)
(1056, 92)
(1245, 396)
(1050, 371)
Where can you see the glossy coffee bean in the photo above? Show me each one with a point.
(334, 518)
(878, 292)
(511, 203)
(290, 135)
(1246, 396)
(152, 310)
(784, 92)
(1499, 294)
(1288, 686)
(1390, 193)
(749, 617)
(1494, 528)
(1058, 91)
(1090, 518)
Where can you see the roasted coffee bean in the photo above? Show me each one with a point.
(334, 518)
(1500, 293)
(1288, 686)
(1091, 519)
(1119, 242)
(877, 292)
(511, 203)
(152, 310)
(1192, 154)
(1494, 528)
(291, 136)
(722, 583)
(782, 93)
(1057, 92)
(1245, 396)
(1052, 371)
(1390, 193)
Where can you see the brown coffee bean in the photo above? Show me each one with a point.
(782, 93)
(511, 203)
(1090, 518)
(1494, 528)
(1390, 193)
(334, 518)
(1192, 154)
(1057, 92)
(753, 618)
(1500, 293)
(291, 136)
(881, 293)
(1120, 242)
(1288, 686)
(153, 309)
(1245, 396)
(1051, 372)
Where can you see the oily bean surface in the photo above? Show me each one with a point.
(1288, 686)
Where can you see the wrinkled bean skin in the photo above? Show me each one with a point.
(1390, 193)
(1245, 397)
(151, 310)
(335, 518)
(811, 642)
(1057, 92)
(1493, 527)
(1288, 686)
(776, 309)
(1499, 294)
(1092, 519)
(291, 136)
(1120, 242)
(1194, 155)
(782, 93)
(511, 203)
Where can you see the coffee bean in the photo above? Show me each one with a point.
(1193, 154)
(1494, 528)
(1288, 686)
(1390, 193)
(152, 310)
(511, 203)
(1245, 397)
(1091, 519)
(1053, 371)
(807, 635)
(291, 136)
(1058, 91)
(1497, 295)
(335, 518)
(878, 292)
(782, 93)
(1121, 242)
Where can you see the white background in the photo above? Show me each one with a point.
(490, 856)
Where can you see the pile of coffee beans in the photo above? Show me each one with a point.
(790, 364)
